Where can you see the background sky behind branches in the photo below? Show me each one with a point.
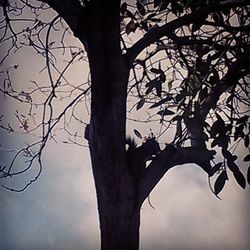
(59, 211)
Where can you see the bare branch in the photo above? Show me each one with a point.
(68, 10)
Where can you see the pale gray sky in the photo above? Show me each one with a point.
(59, 211)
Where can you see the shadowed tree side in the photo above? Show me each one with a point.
(119, 213)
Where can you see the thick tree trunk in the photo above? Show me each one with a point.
(119, 212)
(119, 221)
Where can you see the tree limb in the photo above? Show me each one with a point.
(234, 73)
(188, 40)
(169, 158)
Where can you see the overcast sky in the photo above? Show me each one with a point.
(58, 212)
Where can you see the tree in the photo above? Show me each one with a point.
(192, 78)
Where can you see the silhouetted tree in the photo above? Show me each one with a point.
(186, 62)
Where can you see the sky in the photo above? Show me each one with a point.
(59, 211)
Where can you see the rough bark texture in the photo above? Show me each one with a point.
(116, 197)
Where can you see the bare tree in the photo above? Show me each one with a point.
(185, 62)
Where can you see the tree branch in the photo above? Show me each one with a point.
(237, 70)
(169, 158)
(167, 29)
(68, 10)
(188, 40)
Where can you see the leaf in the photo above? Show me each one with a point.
(232, 166)
(149, 90)
(140, 7)
(215, 78)
(123, 8)
(140, 104)
(234, 157)
(239, 177)
(131, 27)
(157, 84)
(144, 25)
(218, 127)
(24, 125)
(193, 83)
(179, 97)
(156, 71)
(165, 112)
(215, 142)
(220, 182)
(170, 84)
(228, 128)
(150, 16)
(51, 43)
(221, 141)
(137, 133)
(203, 94)
(215, 128)
(166, 99)
(227, 154)
(215, 168)
(162, 77)
(130, 14)
(217, 17)
(155, 105)
(242, 120)
(224, 141)
(248, 175)
(247, 158)
(152, 83)
(230, 98)
(158, 88)
(246, 141)
(239, 132)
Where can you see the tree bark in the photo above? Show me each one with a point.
(119, 213)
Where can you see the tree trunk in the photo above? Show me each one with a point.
(119, 222)
(119, 213)
(116, 196)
